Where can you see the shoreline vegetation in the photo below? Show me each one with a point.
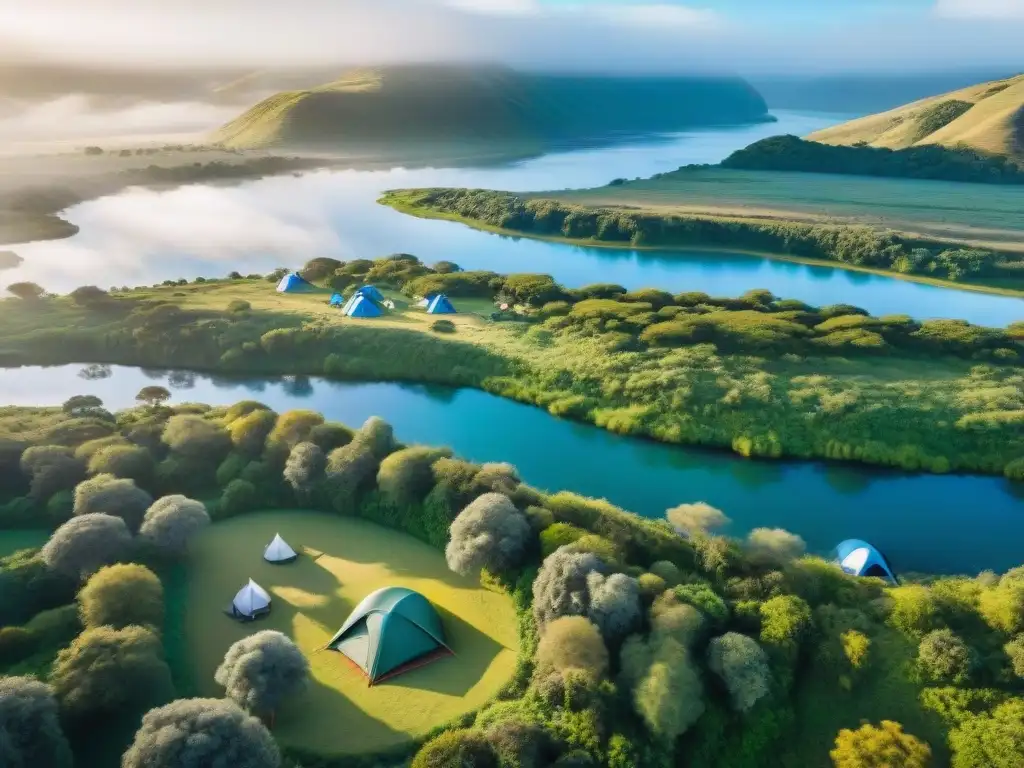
(637, 642)
(755, 374)
(579, 217)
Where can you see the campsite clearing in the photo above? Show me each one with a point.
(312, 597)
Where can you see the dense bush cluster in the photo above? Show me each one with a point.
(643, 642)
(861, 246)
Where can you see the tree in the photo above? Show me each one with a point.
(30, 731)
(132, 462)
(669, 695)
(201, 733)
(490, 533)
(696, 518)
(992, 739)
(81, 405)
(572, 642)
(773, 547)
(51, 468)
(260, 670)
(1002, 606)
(560, 588)
(121, 595)
(89, 296)
(944, 658)
(153, 395)
(26, 291)
(84, 544)
(239, 496)
(914, 610)
(304, 467)
(518, 743)
(406, 476)
(106, 671)
(884, 746)
(743, 666)
(111, 495)
(292, 428)
(172, 521)
(614, 603)
(456, 748)
(785, 622)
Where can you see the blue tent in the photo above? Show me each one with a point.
(859, 558)
(425, 301)
(337, 300)
(440, 305)
(293, 283)
(360, 306)
(371, 292)
(350, 301)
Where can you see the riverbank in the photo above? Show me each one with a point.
(648, 214)
(776, 380)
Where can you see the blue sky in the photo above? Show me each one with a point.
(745, 36)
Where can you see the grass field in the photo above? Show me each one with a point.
(12, 541)
(312, 598)
(980, 214)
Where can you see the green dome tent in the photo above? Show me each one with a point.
(390, 631)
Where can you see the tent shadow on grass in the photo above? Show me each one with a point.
(453, 675)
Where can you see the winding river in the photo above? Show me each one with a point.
(960, 524)
(144, 236)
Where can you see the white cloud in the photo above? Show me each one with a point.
(980, 9)
(658, 15)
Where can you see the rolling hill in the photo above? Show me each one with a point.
(446, 104)
(986, 118)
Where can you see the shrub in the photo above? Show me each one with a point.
(330, 435)
(249, 431)
(614, 603)
(773, 547)
(1015, 651)
(239, 306)
(126, 461)
(305, 465)
(914, 610)
(696, 518)
(743, 667)
(443, 326)
(120, 595)
(558, 535)
(30, 729)
(108, 671)
(260, 670)
(990, 740)
(651, 585)
(702, 597)
(572, 642)
(1002, 606)
(405, 476)
(785, 622)
(109, 495)
(519, 744)
(239, 496)
(194, 733)
(172, 521)
(669, 696)
(84, 544)
(943, 657)
(560, 588)
(668, 571)
(490, 533)
(463, 748)
(886, 744)
(197, 439)
(51, 469)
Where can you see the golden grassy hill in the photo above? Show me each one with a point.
(449, 103)
(988, 118)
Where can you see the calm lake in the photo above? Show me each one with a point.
(923, 523)
(145, 236)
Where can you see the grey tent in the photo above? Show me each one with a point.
(390, 631)
(278, 551)
(251, 602)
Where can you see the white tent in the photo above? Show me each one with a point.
(278, 551)
(251, 602)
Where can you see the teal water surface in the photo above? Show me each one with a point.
(928, 523)
(146, 236)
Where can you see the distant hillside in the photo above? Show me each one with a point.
(488, 104)
(987, 118)
(921, 161)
